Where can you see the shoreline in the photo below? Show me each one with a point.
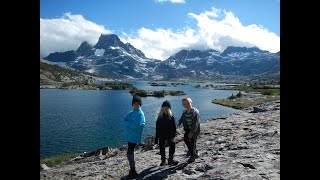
(245, 100)
(245, 144)
(147, 139)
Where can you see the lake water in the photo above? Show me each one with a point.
(84, 120)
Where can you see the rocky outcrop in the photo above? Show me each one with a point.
(244, 145)
(145, 93)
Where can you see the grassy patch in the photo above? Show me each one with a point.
(54, 160)
(106, 86)
(139, 92)
(272, 92)
(241, 103)
(265, 88)
(119, 86)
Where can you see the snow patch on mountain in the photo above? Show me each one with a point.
(92, 70)
(99, 52)
(237, 54)
(193, 59)
(181, 66)
(112, 47)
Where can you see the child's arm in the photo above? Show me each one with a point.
(180, 120)
(174, 125)
(156, 139)
(142, 120)
(134, 124)
(126, 120)
(195, 123)
(139, 124)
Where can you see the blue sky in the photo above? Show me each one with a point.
(129, 16)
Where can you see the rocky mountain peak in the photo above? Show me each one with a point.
(85, 49)
(107, 40)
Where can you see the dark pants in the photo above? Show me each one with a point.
(172, 147)
(191, 143)
(130, 155)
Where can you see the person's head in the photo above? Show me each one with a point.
(187, 103)
(166, 106)
(165, 109)
(136, 102)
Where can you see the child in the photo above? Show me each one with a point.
(134, 123)
(191, 123)
(166, 132)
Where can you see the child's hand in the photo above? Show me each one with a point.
(190, 135)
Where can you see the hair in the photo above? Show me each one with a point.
(187, 99)
(160, 114)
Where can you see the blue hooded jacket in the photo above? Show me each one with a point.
(134, 123)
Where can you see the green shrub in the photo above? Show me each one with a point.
(141, 93)
(239, 95)
(159, 93)
(54, 160)
(232, 97)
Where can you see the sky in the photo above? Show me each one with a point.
(161, 28)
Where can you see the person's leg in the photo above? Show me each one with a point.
(130, 156)
(194, 149)
(172, 147)
(187, 140)
(191, 145)
(194, 145)
(162, 144)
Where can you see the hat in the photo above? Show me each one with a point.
(166, 103)
(136, 98)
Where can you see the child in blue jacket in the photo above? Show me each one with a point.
(134, 123)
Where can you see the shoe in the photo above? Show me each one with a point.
(172, 162)
(132, 174)
(163, 163)
(188, 153)
(197, 154)
(191, 159)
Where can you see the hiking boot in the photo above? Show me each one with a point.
(132, 174)
(172, 162)
(191, 159)
(163, 163)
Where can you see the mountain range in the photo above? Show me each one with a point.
(112, 58)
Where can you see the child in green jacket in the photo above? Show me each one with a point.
(190, 119)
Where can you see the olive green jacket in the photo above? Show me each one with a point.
(195, 129)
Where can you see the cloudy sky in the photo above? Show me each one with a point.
(161, 28)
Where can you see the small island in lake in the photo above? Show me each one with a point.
(158, 84)
(145, 93)
(251, 95)
(174, 84)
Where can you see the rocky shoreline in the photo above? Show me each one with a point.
(244, 145)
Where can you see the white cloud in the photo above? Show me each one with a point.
(67, 33)
(173, 1)
(216, 29)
